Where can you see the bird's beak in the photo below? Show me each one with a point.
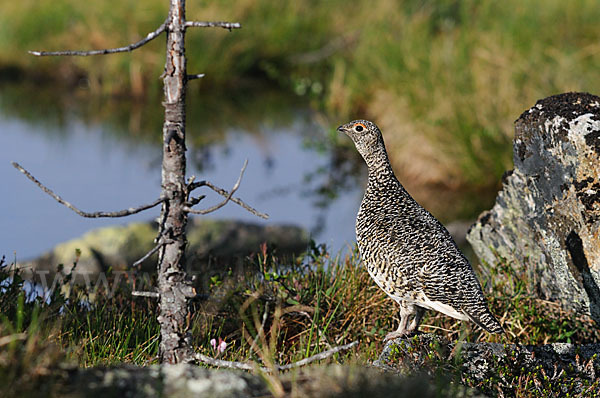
(341, 129)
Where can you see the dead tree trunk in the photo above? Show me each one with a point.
(174, 287)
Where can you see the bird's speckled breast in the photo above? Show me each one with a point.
(383, 247)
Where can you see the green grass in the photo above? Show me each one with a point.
(283, 311)
(445, 79)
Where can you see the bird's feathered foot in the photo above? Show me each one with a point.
(397, 334)
(406, 312)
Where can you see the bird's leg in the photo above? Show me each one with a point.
(406, 311)
(414, 325)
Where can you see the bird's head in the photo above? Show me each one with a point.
(366, 136)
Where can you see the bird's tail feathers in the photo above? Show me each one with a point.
(486, 321)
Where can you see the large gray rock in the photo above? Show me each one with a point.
(186, 381)
(177, 381)
(547, 215)
(211, 243)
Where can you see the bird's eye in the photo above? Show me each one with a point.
(359, 127)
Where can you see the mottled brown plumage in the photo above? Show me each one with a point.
(407, 251)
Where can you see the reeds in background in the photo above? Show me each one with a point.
(444, 79)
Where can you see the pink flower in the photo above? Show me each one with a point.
(221, 347)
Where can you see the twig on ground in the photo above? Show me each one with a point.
(10, 338)
(225, 25)
(251, 366)
(150, 360)
(145, 294)
(98, 214)
(220, 363)
(150, 36)
(318, 357)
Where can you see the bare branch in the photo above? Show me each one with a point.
(12, 337)
(318, 357)
(195, 201)
(131, 47)
(225, 25)
(157, 295)
(98, 214)
(227, 198)
(160, 244)
(145, 294)
(227, 195)
(251, 366)
(198, 76)
(235, 200)
(228, 364)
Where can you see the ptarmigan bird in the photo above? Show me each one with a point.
(407, 251)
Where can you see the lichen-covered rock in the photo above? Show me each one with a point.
(502, 369)
(187, 381)
(95, 252)
(177, 381)
(547, 215)
(118, 247)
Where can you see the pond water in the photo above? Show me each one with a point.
(98, 161)
(104, 153)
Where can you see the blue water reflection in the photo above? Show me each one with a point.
(95, 170)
